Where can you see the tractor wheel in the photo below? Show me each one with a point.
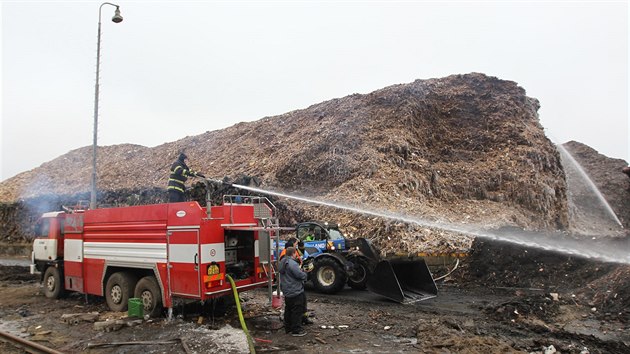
(53, 284)
(149, 292)
(329, 277)
(118, 290)
(360, 273)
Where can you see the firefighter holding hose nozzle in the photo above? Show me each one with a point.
(179, 174)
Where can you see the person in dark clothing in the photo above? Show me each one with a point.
(179, 174)
(293, 242)
(292, 280)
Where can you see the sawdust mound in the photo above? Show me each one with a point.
(601, 285)
(461, 149)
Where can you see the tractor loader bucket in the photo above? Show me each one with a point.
(402, 280)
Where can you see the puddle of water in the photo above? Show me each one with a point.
(12, 327)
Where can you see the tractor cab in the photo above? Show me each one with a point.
(319, 237)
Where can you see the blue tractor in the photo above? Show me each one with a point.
(338, 261)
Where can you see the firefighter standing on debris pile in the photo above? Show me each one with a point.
(179, 174)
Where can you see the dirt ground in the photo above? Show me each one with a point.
(478, 316)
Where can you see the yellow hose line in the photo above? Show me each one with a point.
(250, 341)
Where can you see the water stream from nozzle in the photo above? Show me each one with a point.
(551, 241)
(567, 158)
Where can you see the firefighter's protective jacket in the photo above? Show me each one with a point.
(179, 174)
(292, 278)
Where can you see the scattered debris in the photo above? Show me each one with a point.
(320, 340)
(109, 326)
(76, 318)
(115, 325)
(117, 344)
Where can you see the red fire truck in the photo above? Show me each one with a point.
(157, 253)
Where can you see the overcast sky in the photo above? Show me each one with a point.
(179, 68)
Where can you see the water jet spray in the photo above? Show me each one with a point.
(556, 242)
(593, 188)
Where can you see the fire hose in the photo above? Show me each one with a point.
(449, 273)
(250, 341)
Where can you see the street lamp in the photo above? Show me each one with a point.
(116, 19)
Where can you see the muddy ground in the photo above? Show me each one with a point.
(472, 314)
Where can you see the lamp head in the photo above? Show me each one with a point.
(117, 18)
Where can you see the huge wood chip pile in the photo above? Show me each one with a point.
(460, 149)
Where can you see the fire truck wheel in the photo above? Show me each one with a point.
(329, 277)
(53, 287)
(149, 292)
(118, 290)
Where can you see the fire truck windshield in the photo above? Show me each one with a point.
(42, 227)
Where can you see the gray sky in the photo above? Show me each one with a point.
(173, 69)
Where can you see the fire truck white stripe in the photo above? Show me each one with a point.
(186, 227)
(73, 250)
(207, 254)
(126, 252)
(183, 253)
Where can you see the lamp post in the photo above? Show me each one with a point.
(116, 19)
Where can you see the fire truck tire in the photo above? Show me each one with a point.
(149, 292)
(361, 272)
(329, 277)
(53, 286)
(118, 290)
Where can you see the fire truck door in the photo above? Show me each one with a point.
(183, 262)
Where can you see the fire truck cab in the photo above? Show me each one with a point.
(157, 253)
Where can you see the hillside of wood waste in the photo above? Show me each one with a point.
(460, 150)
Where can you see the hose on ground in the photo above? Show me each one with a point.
(250, 341)
(449, 273)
